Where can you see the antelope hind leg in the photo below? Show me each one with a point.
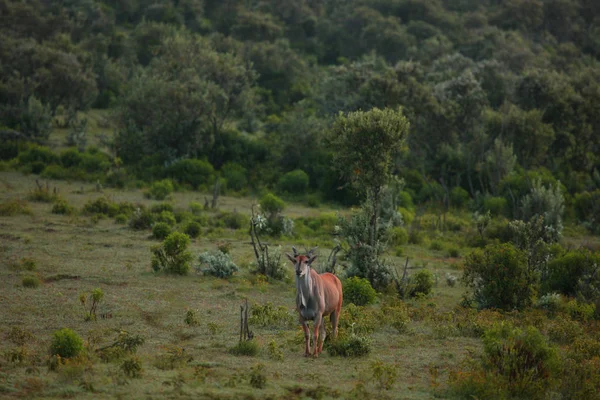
(306, 339)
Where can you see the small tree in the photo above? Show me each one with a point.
(365, 144)
(547, 203)
(172, 255)
(500, 278)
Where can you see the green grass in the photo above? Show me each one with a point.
(75, 255)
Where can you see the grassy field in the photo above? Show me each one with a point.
(76, 254)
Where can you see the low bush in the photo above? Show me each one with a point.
(132, 367)
(191, 172)
(159, 190)
(172, 255)
(10, 208)
(499, 278)
(161, 230)
(421, 283)
(66, 343)
(248, 348)
(192, 229)
(62, 207)
(268, 315)
(141, 220)
(359, 291)
(349, 346)
(216, 264)
(294, 182)
(399, 236)
(31, 281)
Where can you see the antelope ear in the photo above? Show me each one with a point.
(311, 259)
(291, 258)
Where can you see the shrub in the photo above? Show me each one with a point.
(258, 379)
(14, 207)
(352, 346)
(459, 197)
(31, 281)
(399, 236)
(271, 205)
(172, 256)
(159, 190)
(587, 209)
(235, 175)
(450, 280)
(66, 343)
(268, 315)
(359, 319)
(43, 194)
(523, 358)
(141, 219)
(167, 217)
(235, 220)
(37, 155)
(191, 172)
(192, 229)
(101, 206)
(62, 207)
(436, 245)
(161, 230)
(453, 252)
(421, 283)
(359, 291)
(566, 271)
(217, 264)
(248, 348)
(499, 277)
(132, 367)
(191, 318)
(196, 208)
(294, 182)
(495, 205)
(160, 207)
(547, 203)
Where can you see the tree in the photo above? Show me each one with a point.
(365, 144)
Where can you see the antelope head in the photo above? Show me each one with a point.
(302, 263)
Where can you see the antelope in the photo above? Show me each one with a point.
(318, 295)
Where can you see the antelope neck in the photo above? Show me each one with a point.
(303, 285)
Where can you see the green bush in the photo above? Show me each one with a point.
(167, 217)
(234, 220)
(248, 348)
(422, 283)
(66, 343)
(399, 236)
(101, 206)
(459, 197)
(235, 176)
(269, 316)
(61, 206)
(359, 291)
(499, 277)
(547, 203)
(14, 207)
(31, 281)
(159, 190)
(567, 270)
(160, 207)
(192, 172)
(294, 182)
(141, 220)
(352, 346)
(161, 230)
(436, 245)
(172, 255)
(587, 209)
(37, 155)
(192, 229)
(523, 358)
(217, 264)
(132, 367)
(271, 205)
(497, 206)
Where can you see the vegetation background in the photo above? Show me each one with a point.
(138, 138)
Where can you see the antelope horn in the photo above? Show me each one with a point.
(295, 251)
(310, 252)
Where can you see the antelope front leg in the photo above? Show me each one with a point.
(317, 327)
(306, 339)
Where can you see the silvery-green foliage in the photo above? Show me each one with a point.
(548, 203)
(550, 301)
(364, 259)
(450, 279)
(216, 263)
(287, 226)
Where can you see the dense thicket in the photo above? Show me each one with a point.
(497, 92)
